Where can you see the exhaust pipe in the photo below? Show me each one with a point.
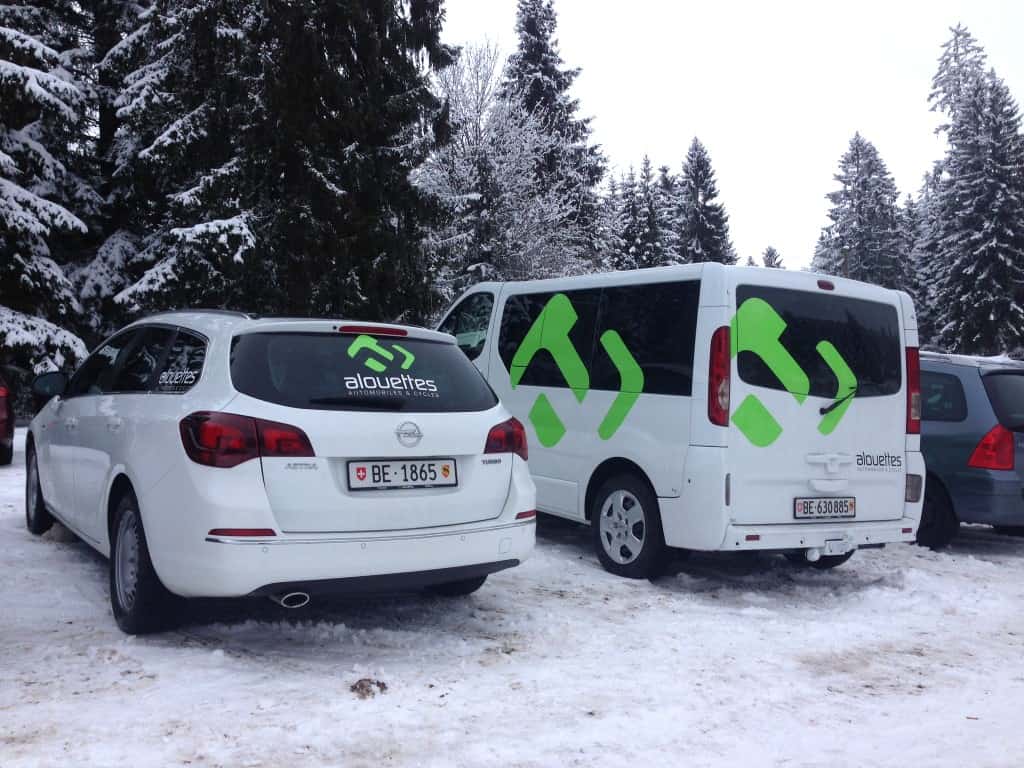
(813, 555)
(291, 599)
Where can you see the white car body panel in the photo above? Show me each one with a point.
(716, 489)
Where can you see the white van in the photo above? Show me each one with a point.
(711, 408)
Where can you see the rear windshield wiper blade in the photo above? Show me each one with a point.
(362, 403)
(829, 408)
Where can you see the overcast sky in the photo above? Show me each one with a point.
(774, 89)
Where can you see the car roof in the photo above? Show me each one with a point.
(996, 362)
(218, 322)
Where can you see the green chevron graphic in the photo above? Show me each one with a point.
(371, 344)
(550, 331)
(762, 329)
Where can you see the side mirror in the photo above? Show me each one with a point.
(48, 385)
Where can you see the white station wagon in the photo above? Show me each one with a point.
(214, 454)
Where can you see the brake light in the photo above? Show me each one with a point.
(373, 330)
(4, 392)
(239, 532)
(529, 514)
(826, 285)
(913, 391)
(995, 451)
(507, 437)
(226, 440)
(718, 378)
(282, 439)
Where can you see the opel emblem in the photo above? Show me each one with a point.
(408, 434)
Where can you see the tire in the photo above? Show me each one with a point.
(823, 563)
(457, 588)
(140, 602)
(938, 523)
(37, 519)
(625, 523)
(6, 455)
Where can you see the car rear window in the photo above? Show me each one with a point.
(866, 335)
(333, 371)
(1006, 393)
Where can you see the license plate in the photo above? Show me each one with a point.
(824, 508)
(387, 475)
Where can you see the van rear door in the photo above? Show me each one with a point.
(818, 425)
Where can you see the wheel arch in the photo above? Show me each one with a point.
(930, 478)
(609, 468)
(121, 485)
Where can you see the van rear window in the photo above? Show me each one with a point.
(1006, 393)
(333, 371)
(865, 334)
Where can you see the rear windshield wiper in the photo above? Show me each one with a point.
(363, 403)
(829, 408)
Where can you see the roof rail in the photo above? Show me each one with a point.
(228, 312)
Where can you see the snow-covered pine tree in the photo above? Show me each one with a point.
(610, 217)
(496, 222)
(538, 74)
(924, 259)
(961, 64)
(750, 262)
(864, 239)
(649, 248)
(668, 216)
(46, 192)
(269, 146)
(981, 226)
(703, 222)
(632, 225)
(772, 259)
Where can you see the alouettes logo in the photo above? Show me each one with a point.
(360, 473)
(445, 471)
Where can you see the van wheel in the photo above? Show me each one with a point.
(938, 523)
(140, 602)
(626, 526)
(823, 563)
(457, 588)
(37, 519)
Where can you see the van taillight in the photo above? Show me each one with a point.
(507, 437)
(913, 391)
(995, 451)
(718, 378)
(4, 392)
(226, 440)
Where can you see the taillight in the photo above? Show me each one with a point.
(507, 437)
(282, 439)
(4, 392)
(913, 391)
(718, 378)
(226, 440)
(995, 451)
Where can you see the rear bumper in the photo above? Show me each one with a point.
(389, 582)
(805, 536)
(226, 567)
(991, 500)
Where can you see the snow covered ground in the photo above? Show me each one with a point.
(902, 657)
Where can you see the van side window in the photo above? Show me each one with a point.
(142, 360)
(658, 325)
(96, 375)
(468, 323)
(518, 317)
(184, 364)
(942, 397)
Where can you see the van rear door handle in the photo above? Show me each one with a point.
(70, 423)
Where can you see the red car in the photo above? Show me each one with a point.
(6, 423)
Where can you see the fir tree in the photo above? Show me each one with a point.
(537, 73)
(665, 196)
(925, 262)
(981, 226)
(750, 262)
(268, 147)
(46, 185)
(703, 222)
(632, 225)
(648, 243)
(863, 241)
(771, 258)
(961, 64)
